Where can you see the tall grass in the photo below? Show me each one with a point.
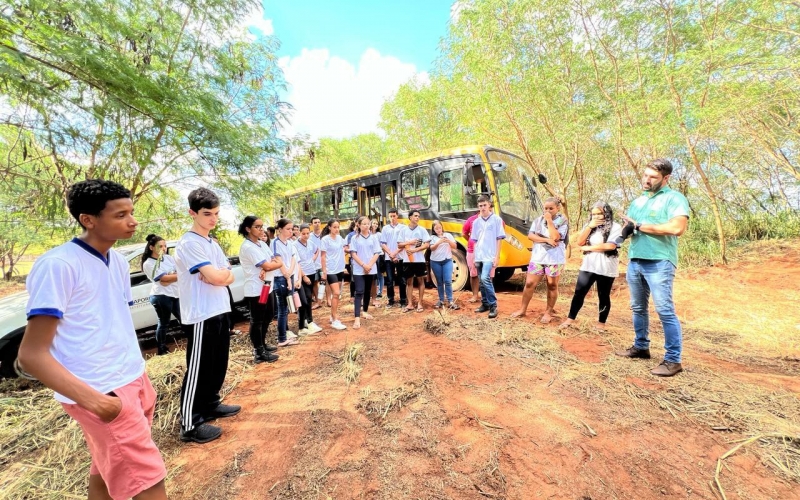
(699, 246)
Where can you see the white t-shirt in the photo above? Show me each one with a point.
(155, 270)
(287, 252)
(252, 256)
(317, 244)
(390, 235)
(91, 295)
(334, 254)
(378, 235)
(200, 300)
(544, 253)
(408, 234)
(599, 262)
(365, 248)
(306, 254)
(485, 233)
(444, 251)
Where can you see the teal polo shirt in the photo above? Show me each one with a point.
(658, 208)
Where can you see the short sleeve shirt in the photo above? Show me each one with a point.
(90, 294)
(252, 256)
(659, 208)
(318, 244)
(157, 269)
(306, 254)
(408, 234)
(485, 233)
(200, 300)
(334, 254)
(544, 253)
(599, 262)
(466, 231)
(365, 248)
(390, 235)
(444, 251)
(287, 251)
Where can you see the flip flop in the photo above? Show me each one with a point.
(473, 300)
(546, 321)
(420, 309)
(408, 309)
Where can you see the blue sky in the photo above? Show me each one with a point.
(408, 29)
(342, 59)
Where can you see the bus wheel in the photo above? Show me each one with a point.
(460, 271)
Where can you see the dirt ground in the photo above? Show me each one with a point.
(470, 413)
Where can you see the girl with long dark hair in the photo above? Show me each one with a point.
(259, 265)
(364, 251)
(159, 267)
(600, 263)
(286, 282)
(333, 268)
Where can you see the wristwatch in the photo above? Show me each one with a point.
(638, 226)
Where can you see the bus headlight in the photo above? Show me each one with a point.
(514, 242)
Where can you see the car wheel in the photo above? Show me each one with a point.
(8, 356)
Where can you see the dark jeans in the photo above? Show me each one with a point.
(582, 287)
(394, 276)
(207, 347)
(165, 307)
(258, 321)
(363, 284)
(304, 316)
(282, 291)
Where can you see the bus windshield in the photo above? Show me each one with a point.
(515, 187)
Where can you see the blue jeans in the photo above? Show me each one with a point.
(282, 291)
(488, 298)
(443, 272)
(656, 277)
(165, 307)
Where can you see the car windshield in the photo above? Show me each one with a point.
(515, 186)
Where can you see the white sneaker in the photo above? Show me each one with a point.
(314, 328)
(288, 342)
(303, 332)
(290, 334)
(338, 325)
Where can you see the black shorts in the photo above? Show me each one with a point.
(336, 278)
(414, 269)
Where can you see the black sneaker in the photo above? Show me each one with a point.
(267, 356)
(203, 433)
(482, 309)
(270, 348)
(492, 312)
(223, 411)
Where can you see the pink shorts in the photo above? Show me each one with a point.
(550, 270)
(123, 451)
(473, 271)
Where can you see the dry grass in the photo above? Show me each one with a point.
(377, 404)
(44, 455)
(349, 364)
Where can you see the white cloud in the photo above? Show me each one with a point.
(333, 98)
(255, 19)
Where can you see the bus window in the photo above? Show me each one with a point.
(415, 189)
(348, 201)
(451, 191)
(390, 196)
(320, 205)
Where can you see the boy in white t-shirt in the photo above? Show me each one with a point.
(203, 274)
(488, 234)
(80, 342)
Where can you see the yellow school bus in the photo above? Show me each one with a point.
(442, 185)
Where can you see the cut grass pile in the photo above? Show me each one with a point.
(44, 455)
(377, 404)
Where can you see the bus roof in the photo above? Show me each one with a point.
(471, 149)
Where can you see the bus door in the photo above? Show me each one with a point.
(389, 198)
(363, 201)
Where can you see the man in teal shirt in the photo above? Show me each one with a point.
(655, 219)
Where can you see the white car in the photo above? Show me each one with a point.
(12, 308)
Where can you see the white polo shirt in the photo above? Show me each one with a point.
(155, 270)
(199, 300)
(444, 251)
(306, 254)
(485, 233)
(318, 244)
(418, 233)
(334, 254)
(390, 235)
(287, 251)
(91, 295)
(252, 256)
(366, 248)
